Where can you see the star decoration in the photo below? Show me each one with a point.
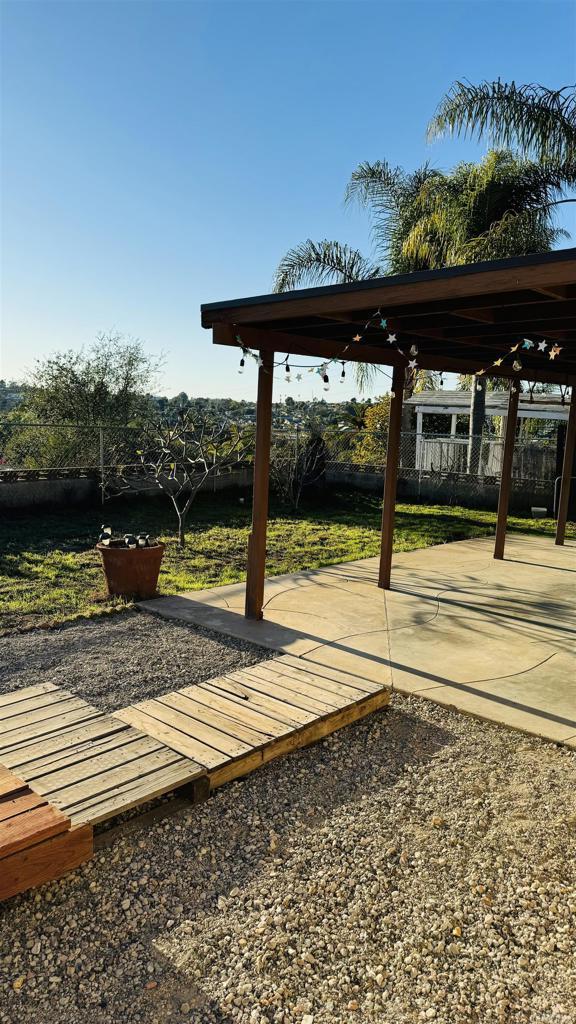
(391, 338)
(528, 343)
(480, 372)
(298, 376)
(554, 351)
(515, 347)
(542, 346)
(383, 324)
(498, 362)
(357, 337)
(412, 364)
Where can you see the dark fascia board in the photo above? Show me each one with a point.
(445, 273)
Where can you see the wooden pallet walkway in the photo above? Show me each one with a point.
(76, 766)
(88, 764)
(237, 722)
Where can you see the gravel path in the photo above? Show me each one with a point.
(120, 659)
(418, 866)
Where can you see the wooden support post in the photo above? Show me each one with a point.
(391, 476)
(567, 470)
(257, 540)
(506, 474)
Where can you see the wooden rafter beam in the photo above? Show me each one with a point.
(283, 342)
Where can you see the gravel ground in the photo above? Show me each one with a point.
(418, 866)
(120, 659)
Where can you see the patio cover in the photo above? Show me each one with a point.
(459, 319)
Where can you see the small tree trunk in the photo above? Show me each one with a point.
(181, 530)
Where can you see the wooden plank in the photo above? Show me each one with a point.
(71, 738)
(302, 737)
(25, 801)
(567, 470)
(15, 696)
(328, 672)
(391, 477)
(45, 729)
(217, 719)
(237, 689)
(10, 714)
(82, 752)
(98, 767)
(45, 861)
(100, 785)
(324, 683)
(42, 714)
(201, 753)
(300, 694)
(213, 737)
(256, 566)
(25, 829)
(506, 474)
(134, 792)
(240, 711)
(10, 784)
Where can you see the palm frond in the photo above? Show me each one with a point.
(521, 232)
(390, 195)
(313, 263)
(537, 120)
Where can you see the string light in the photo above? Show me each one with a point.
(378, 321)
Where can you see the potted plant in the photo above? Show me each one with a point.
(131, 564)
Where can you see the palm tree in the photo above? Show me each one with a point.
(538, 121)
(430, 219)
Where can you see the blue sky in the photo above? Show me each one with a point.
(159, 155)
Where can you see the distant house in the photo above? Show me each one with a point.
(442, 426)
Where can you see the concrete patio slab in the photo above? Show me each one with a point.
(491, 638)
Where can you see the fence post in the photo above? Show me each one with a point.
(102, 485)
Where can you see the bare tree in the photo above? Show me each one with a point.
(296, 461)
(179, 458)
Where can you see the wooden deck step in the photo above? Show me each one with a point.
(234, 723)
(89, 765)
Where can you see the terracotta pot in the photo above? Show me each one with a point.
(131, 572)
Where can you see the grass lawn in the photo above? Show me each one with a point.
(51, 573)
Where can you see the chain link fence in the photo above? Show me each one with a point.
(349, 456)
